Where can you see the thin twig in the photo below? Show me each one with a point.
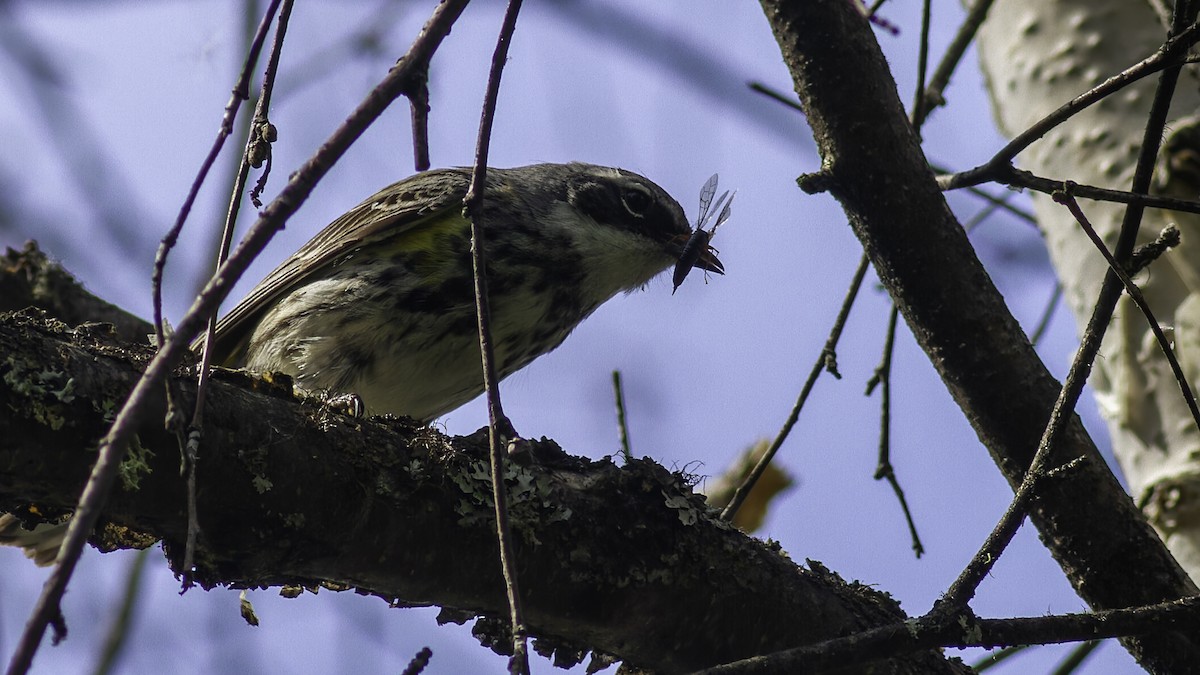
(622, 427)
(954, 52)
(1018, 178)
(112, 446)
(418, 103)
(922, 634)
(1076, 657)
(826, 360)
(1135, 294)
(963, 589)
(1002, 202)
(882, 376)
(1169, 55)
(122, 619)
(976, 220)
(250, 14)
(919, 106)
(240, 93)
(1143, 255)
(191, 452)
(876, 20)
(1047, 315)
(365, 42)
(473, 210)
(775, 95)
(997, 657)
(1163, 12)
(883, 468)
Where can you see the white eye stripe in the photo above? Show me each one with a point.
(637, 199)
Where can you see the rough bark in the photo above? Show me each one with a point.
(624, 560)
(873, 164)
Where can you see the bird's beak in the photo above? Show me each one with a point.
(708, 261)
(705, 260)
(692, 250)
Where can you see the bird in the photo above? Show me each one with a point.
(380, 303)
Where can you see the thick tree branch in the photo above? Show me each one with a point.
(874, 165)
(624, 560)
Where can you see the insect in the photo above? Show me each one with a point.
(698, 243)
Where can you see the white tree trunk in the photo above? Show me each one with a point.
(1036, 55)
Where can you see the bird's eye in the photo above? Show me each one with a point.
(637, 200)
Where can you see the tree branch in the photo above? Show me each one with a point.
(627, 561)
(875, 167)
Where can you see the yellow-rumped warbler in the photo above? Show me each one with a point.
(381, 302)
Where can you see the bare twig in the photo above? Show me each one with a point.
(418, 100)
(826, 360)
(883, 468)
(498, 424)
(919, 634)
(1047, 314)
(775, 95)
(954, 53)
(1018, 178)
(1135, 294)
(1170, 55)
(1143, 255)
(250, 15)
(240, 93)
(1076, 657)
(882, 377)
(367, 42)
(997, 657)
(1163, 11)
(876, 20)
(122, 619)
(1002, 202)
(112, 446)
(980, 216)
(920, 108)
(622, 426)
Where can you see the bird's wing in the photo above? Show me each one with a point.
(397, 208)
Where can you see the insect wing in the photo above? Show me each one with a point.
(725, 212)
(717, 207)
(706, 197)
